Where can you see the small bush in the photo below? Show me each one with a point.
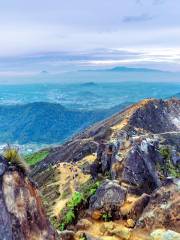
(106, 217)
(69, 214)
(62, 227)
(165, 153)
(172, 170)
(13, 156)
(90, 189)
(69, 217)
(83, 238)
(78, 198)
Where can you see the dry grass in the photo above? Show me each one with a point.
(13, 156)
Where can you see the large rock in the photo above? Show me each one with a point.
(140, 166)
(161, 234)
(22, 215)
(109, 197)
(163, 209)
(66, 235)
(139, 206)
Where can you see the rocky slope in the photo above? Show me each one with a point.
(22, 214)
(118, 179)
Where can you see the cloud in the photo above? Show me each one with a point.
(52, 26)
(137, 18)
(153, 2)
(159, 1)
(158, 58)
(17, 73)
(59, 62)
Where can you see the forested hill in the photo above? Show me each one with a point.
(43, 122)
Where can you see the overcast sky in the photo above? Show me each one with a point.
(44, 26)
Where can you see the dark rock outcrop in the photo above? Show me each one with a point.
(157, 117)
(140, 167)
(109, 197)
(22, 215)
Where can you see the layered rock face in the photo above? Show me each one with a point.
(133, 156)
(22, 215)
(163, 208)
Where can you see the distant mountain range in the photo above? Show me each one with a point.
(43, 122)
(129, 70)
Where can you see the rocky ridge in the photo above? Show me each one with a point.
(119, 179)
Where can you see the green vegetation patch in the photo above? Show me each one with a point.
(78, 198)
(36, 157)
(172, 170)
(106, 217)
(83, 238)
(75, 201)
(90, 188)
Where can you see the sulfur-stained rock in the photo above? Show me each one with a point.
(107, 227)
(96, 215)
(130, 223)
(122, 232)
(161, 234)
(117, 230)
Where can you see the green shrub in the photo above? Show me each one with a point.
(89, 189)
(82, 238)
(106, 217)
(172, 170)
(13, 156)
(62, 227)
(165, 153)
(69, 217)
(77, 199)
(69, 214)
